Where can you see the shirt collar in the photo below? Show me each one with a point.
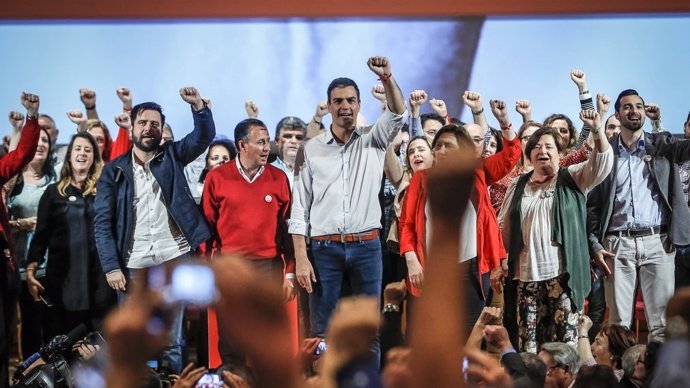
(330, 139)
(640, 145)
(241, 170)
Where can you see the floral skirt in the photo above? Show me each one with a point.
(545, 314)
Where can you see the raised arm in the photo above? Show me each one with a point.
(252, 109)
(586, 103)
(524, 108)
(381, 66)
(88, 98)
(315, 125)
(14, 161)
(473, 100)
(653, 113)
(439, 106)
(17, 123)
(499, 109)
(77, 117)
(196, 142)
(417, 99)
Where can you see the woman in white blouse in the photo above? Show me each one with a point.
(544, 229)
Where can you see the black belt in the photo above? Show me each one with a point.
(638, 232)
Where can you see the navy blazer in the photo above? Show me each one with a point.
(115, 194)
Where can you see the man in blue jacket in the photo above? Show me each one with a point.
(145, 214)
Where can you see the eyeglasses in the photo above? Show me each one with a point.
(551, 368)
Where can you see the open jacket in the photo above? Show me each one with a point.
(114, 205)
(665, 154)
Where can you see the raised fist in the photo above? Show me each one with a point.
(76, 116)
(578, 76)
(16, 120)
(192, 96)
(31, 103)
(523, 107)
(499, 109)
(652, 111)
(379, 92)
(321, 109)
(418, 98)
(88, 98)
(591, 118)
(439, 106)
(252, 109)
(381, 66)
(473, 100)
(123, 120)
(125, 95)
(603, 103)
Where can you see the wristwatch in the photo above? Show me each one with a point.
(390, 307)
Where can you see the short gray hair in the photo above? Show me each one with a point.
(630, 358)
(563, 354)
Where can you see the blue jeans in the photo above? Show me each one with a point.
(361, 261)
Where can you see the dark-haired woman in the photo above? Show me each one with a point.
(26, 190)
(74, 280)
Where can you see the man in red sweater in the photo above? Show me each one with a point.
(246, 203)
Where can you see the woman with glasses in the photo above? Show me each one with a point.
(543, 224)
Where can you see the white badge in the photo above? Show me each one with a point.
(268, 198)
(72, 198)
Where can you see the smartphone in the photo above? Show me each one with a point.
(189, 283)
(322, 347)
(210, 380)
(46, 301)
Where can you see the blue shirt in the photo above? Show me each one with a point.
(637, 203)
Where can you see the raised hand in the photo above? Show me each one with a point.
(76, 116)
(31, 102)
(603, 103)
(417, 99)
(321, 110)
(16, 120)
(473, 100)
(591, 118)
(125, 95)
(578, 76)
(524, 108)
(88, 98)
(652, 111)
(123, 120)
(394, 292)
(192, 96)
(499, 109)
(380, 66)
(439, 106)
(252, 109)
(584, 323)
(379, 92)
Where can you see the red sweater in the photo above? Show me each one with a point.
(249, 218)
(121, 144)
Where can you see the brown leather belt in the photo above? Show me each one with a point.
(349, 238)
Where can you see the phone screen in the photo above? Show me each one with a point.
(209, 380)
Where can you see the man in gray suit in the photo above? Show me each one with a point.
(637, 214)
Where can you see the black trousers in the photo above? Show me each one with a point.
(9, 293)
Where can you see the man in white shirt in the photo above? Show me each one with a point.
(336, 197)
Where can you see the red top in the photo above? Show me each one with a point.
(490, 249)
(121, 144)
(12, 164)
(249, 218)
